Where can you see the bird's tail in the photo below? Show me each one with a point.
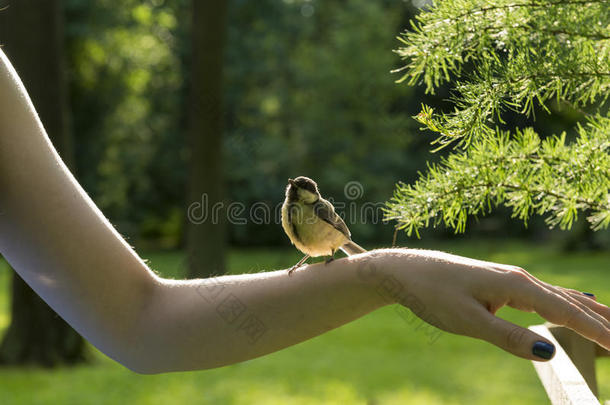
(352, 248)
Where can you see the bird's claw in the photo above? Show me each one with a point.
(293, 268)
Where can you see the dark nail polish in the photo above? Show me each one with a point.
(543, 350)
(589, 294)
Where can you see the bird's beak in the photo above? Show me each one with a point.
(292, 183)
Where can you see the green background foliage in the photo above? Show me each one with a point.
(298, 101)
(307, 92)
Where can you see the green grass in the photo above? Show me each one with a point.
(379, 359)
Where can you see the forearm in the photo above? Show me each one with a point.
(213, 322)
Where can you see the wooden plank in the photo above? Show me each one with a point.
(580, 350)
(563, 383)
(601, 352)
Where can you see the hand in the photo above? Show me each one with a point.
(461, 295)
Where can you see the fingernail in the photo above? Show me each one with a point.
(543, 350)
(589, 294)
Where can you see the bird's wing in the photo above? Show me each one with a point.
(291, 211)
(326, 212)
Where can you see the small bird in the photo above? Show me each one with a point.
(312, 224)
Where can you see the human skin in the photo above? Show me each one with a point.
(54, 236)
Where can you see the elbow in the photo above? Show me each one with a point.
(142, 368)
(135, 355)
(138, 367)
(139, 350)
(155, 357)
(155, 343)
(140, 358)
(150, 344)
(154, 364)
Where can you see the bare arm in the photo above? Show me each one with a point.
(234, 318)
(56, 238)
(64, 248)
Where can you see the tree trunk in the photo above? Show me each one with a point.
(37, 335)
(31, 32)
(206, 222)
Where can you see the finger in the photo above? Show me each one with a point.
(598, 307)
(590, 295)
(573, 291)
(590, 306)
(575, 298)
(555, 308)
(578, 300)
(514, 339)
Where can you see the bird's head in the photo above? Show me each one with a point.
(302, 189)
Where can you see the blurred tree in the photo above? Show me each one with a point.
(553, 54)
(290, 107)
(297, 100)
(206, 222)
(301, 101)
(126, 84)
(31, 33)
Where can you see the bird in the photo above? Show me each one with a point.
(312, 224)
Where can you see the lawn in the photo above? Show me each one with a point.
(379, 359)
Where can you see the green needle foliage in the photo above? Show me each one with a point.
(510, 55)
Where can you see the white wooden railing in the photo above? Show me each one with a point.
(569, 378)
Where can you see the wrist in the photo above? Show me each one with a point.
(375, 270)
